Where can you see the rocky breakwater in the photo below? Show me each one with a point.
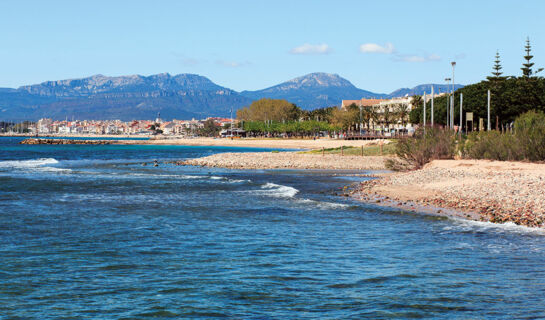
(492, 191)
(63, 141)
(287, 160)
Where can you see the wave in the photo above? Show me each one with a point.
(484, 226)
(323, 204)
(34, 163)
(41, 164)
(277, 190)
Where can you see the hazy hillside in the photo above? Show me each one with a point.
(180, 96)
(313, 90)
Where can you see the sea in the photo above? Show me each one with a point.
(90, 232)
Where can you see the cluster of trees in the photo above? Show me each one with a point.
(370, 117)
(290, 128)
(510, 96)
(270, 110)
(280, 116)
(275, 117)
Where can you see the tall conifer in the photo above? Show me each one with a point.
(496, 69)
(527, 71)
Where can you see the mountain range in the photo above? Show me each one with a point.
(180, 96)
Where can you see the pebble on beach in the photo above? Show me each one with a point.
(493, 191)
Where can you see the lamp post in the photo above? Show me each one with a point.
(431, 111)
(453, 64)
(447, 80)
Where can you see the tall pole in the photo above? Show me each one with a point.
(488, 113)
(431, 116)
(424, 108)
(447, 80)
(452, 111)
(453, 64)
(461, 103)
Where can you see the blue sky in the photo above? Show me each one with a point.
(377, 45)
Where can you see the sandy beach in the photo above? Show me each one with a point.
(476, 189)
(288, 160)
(258, 143)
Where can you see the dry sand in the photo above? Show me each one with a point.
(288, 160)
(480, 189)
(259, 143)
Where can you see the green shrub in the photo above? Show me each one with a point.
(426, 145)
(527, 143)
(492, 145)
(530, 132)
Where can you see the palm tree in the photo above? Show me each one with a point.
(375, 116)
(367, 115)
(402, 112)
(387, 117)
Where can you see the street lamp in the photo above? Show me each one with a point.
(453, 63)
(447, 80)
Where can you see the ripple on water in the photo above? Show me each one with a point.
(119, 240)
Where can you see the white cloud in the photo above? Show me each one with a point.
(417, 58)
(308, 48)
(388, 48)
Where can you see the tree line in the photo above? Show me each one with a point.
(274, 117)
(511, 96)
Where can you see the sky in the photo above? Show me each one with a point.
(379, 46)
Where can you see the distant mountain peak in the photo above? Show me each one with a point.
(313, 90)
(319, 79)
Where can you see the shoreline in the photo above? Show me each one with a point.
(476, 190)
(479, 190)
(268, 143)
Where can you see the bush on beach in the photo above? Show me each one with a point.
(427, 144)
(491, 145)
(526, 143)
(530, 134)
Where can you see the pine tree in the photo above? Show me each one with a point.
(496, 69)
(527, 67)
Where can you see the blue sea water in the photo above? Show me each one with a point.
(87, 232)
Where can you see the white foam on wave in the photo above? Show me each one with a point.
(483, 226)
(239, 180)
(41, 164)
(33, 163)
(154, 175)
(323, 204)
(277, 190)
